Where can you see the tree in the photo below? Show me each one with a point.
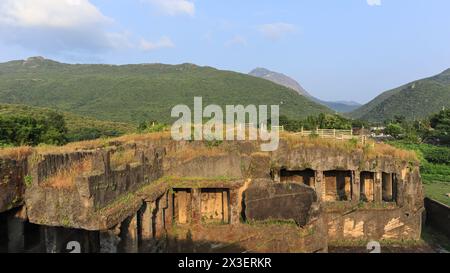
(440, 123)
(395, 130)
(55, 130)
(18, 130)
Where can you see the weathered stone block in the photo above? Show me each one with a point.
(279, 201)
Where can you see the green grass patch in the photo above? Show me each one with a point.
(272, 222)
(438, 191)
(435, 168)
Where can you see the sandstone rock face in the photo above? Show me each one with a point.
(12, 183)
(207, 190)
(276, 201)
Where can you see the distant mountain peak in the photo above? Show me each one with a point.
(288, 82)
(349, 102)
(260, 72)
(280, 79)
(37, 60)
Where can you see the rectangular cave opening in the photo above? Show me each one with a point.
(215, 206)
(367, 186)
(3, 233)
(306, 177)
(182, 206)
(389, 187)
(338, 185)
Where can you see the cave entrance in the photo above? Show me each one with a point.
(367, 182)
(182, 206)
(389, 187)
(3, 233)
(338, 185)
(33, 237)
(306, 177)
(19, 235)
(215, 205)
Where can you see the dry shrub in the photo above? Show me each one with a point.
(122, 157)
(17, 153)
(386, 149)
(102, 142)
(370, 149)
(188, 153)
(72, 147)
(296, 141)
(65, 178)
(143, 137)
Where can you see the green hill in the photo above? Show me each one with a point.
(418, 99)
(79, 128)
(135, 93)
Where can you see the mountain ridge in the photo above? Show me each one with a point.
(284, 80)
(279, 78)
(417, 99)
(139, 92)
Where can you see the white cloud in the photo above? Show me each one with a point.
(374, 2)
(236, 40)
(163, 42)
(57, 25)
(50, 13)
(174, 7)
(276, 31)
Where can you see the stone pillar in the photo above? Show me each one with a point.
(276, 176)
(378, 194)
(196, 206)
(320, 185)
(168, 211)
(356, 187)
(158, 218)
(226, 208)
(16, 237)
(133, 234)
(235, 207)
(400, 198)
(130, 241)
(147, 221)
(51, 240)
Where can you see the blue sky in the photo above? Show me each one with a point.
(337, 49)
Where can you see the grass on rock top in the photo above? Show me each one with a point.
(369, 150)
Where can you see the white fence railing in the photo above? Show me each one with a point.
(242, 126)
(321, 133)
(328, 133)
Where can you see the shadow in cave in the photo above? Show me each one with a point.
(187, 245)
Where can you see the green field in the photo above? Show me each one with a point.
(435, 169)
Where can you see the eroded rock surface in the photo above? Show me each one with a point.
(276, 201)
(154, 194)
